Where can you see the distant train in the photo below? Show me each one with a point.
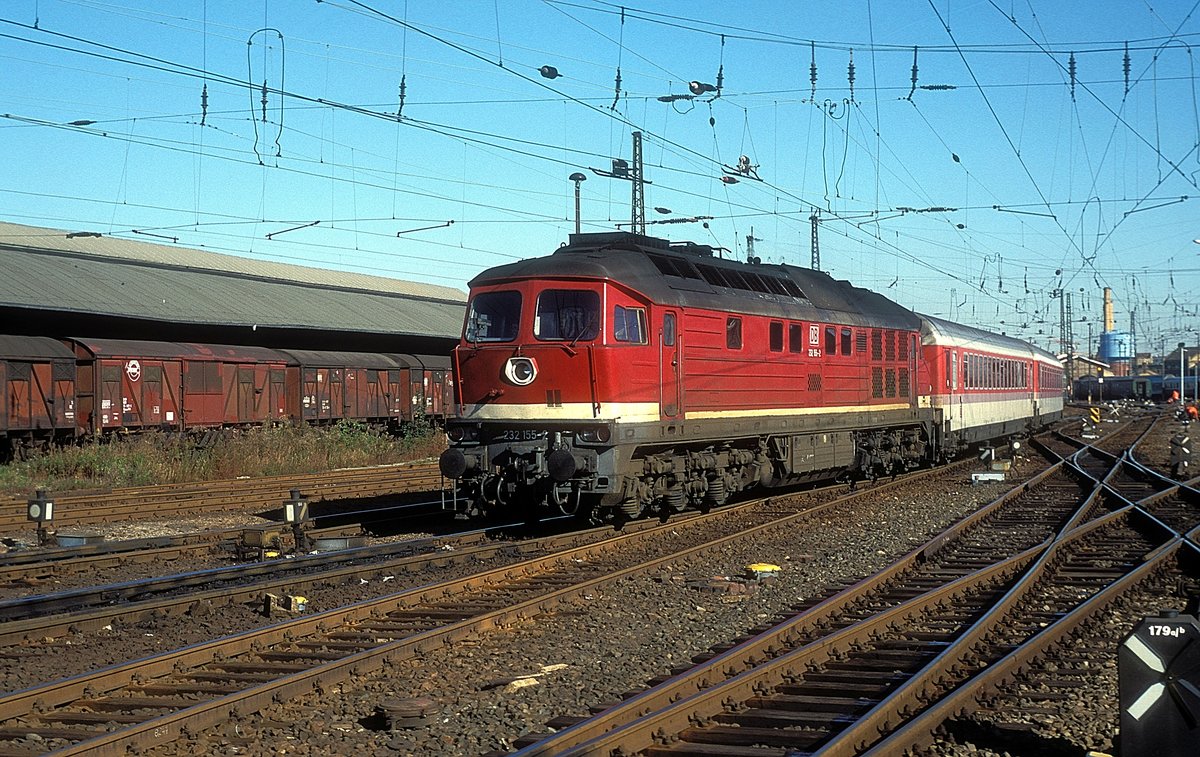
(625, 376)
(57, 390)
(1153, 388)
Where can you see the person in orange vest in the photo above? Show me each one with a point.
(1174, 397)
(1193, 413)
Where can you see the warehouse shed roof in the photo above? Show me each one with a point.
(50, 269)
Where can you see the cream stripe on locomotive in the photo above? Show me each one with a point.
(633, 412)
(570, 411)
(777, 411)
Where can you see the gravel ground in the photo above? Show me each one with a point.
(611, 643)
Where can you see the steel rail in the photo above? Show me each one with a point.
(917, 733)
(975, 649)
(83, 508)
(330, 646)
(922, 567)
(657, 732)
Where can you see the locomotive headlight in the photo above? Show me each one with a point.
(520, 370)
(595, 434)
(458, 434)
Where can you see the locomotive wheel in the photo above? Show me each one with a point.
(630, 509)
(716, 494)
(675, 499)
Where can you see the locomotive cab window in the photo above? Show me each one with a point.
(567, 314)
(629, 325)
(494, 317)
(830, 340)
(847, 341)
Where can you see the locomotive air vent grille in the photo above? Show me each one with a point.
(876, 382)
(814, 382)
(860, 342)
(891, 382)
(903, 346)
(904, 388)
(876, 344)
(889, 342)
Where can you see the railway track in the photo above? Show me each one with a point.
(838, 693)
(1026, 517)
(1058, 690)
(201, 685)
(173, 500)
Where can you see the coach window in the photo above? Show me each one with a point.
(629, 325)
(830, 340)
(952, 370)
(494, 317)
(776, 336)
(847, 341)
(733, 333)
(567, 314)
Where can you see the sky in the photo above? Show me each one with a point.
(1044, 148)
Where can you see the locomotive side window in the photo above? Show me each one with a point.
(569, 314)
(733, 333)
(830, 340)
(629, 325)
(494, 317)
(776, 336)
(668, 331)
(795, 338)
(846, 341)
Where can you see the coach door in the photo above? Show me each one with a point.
(669, 368)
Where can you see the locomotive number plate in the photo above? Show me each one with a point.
(521, 435)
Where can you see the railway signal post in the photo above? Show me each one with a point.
(1181, 453)
(41, 511)
(295, 512)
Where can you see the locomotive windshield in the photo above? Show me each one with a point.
(494, 317)
(567, 314)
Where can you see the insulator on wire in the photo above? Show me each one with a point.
(812, 71)
(403, 87)
(204, 104)
(617, 93)
(914, 76)
(264, 101)
(1125, 67)
(850, 75)
(1071, 71)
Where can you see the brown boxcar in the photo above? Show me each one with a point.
(433, 390)
(328, 386)
(38, 377)
(123, 384)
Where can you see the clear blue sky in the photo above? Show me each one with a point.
(1028, 170)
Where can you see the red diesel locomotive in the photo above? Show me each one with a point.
(624, 375)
